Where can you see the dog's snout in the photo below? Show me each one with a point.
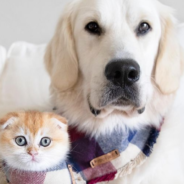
(122, 72)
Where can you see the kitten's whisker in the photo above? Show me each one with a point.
(74, 147)
(76, 152)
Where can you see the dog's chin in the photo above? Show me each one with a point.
(121, 106)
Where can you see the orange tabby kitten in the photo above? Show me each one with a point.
(33, 141)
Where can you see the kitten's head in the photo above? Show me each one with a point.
(33, 141)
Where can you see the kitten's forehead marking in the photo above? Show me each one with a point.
(9, 122)
(33, 121)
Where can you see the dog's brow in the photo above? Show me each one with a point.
(91, 14)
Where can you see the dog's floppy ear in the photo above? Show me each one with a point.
(169, 64)
(60, 57)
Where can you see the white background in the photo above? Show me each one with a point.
(35, 20)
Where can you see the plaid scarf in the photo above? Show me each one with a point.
(96, 159)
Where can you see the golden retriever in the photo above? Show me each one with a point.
(116, 64)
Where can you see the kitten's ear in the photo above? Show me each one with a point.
(8, 120)
(60, 122)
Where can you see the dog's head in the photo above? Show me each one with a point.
(121, 52)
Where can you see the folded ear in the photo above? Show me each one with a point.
(60, 121)
(170, 59)
(8, 120)
(60, 57)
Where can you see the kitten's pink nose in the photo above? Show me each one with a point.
(33, 153)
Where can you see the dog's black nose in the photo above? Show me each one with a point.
(122, 72)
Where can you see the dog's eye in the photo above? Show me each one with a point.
(143, 28)
(93, 28)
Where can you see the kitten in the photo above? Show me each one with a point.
(33, 141)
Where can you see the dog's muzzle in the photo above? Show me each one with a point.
(122, 89)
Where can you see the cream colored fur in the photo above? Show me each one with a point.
(76, 61)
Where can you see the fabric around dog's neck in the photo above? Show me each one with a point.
(134, 147)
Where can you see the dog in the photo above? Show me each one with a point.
(119, 64)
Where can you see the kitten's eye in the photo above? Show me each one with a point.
(45, 141)
(143, 28)
(93, 28)
(21, 141)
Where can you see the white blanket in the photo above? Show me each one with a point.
(24, 82)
